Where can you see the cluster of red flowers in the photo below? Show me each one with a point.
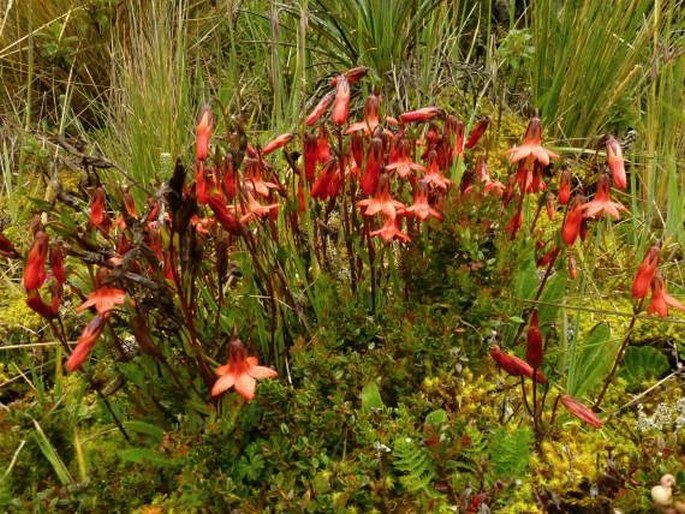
(371, 164)
(648, 276)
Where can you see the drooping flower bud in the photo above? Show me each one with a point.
(645, 273)
(580, 411)
(34, 272)
(534, 352)
(203, 133)
(616, 163)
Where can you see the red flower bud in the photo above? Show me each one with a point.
(85, 342)
(203, 133)
(574, 219)
(341, 105)
(477, 131)
(374, 161)
(57, 262)
(534, 352)
(616, 163)
(320, 109)
(420, 115)
(515, 366)
(276, 143)
(310, 159)
(34, 272)
(98, 214)
(645, 273)
(580, 411)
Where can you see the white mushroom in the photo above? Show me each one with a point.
(661, 494)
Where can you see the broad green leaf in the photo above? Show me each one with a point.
(641, 364)
(592, 360)
(371, 397)
(436, 417)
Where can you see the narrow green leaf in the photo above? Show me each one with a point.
(51, 454)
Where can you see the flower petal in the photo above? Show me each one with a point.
(245, 385)
(260, 372)
(223, 370)
(223, 384)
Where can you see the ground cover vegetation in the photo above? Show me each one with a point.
(313, 256)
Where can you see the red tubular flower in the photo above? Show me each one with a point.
(341, 105)
(645, 273)
(129, 204)
(352, 75)
(534, 352)
(203, 132)
(390, 230)
(7, 248)
(477, 131)
(228, 220)
(515, 223)
(616, 163)
(230, 177)
(532, 145)
(564, 187)
(382, 202)
(309, 155)
(420, 115)
(403, 164)
(57, 262)
(661, 300)
(421, 209)
(254, 181)
(433, 178)
(549, 256)
(98, 214)
(374, 162)
(47, 311)
(254, 209)
(580, 411)
(104, 299)
(329, 182)
(86, 341)
(201, 188)
(514, 366)
(278, 142)
(320, 109)
(459, 139)
(357, 149)
(574, 219)
(370, 121)
(34, 272)
(482, 175)
(323, 147)
(602, 202)
(509, 189)
(241, 372)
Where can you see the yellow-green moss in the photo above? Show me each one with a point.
(15, 316)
